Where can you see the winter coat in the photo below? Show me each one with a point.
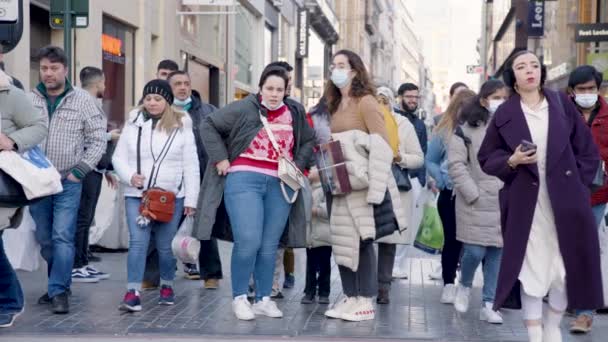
(437, 161)
(198, 112)
(319, 233)
(477, 210)
(421, 133)
(368, 161)
(412, 158)
(599, 130)
(21, 121)
(227, 133)
(572, 162)
(178, 172)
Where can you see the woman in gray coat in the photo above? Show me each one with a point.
(477, 209)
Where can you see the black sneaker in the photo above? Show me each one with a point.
(323, 300)
(192, 272)
(60, 304)
(308, 299)
(7, 319)
(276, 294)
(45, 300)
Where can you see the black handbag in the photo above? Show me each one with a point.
(401, 178)
(384, 217)
(11, 192)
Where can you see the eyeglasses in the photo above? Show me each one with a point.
(339, 66)
(411, 97)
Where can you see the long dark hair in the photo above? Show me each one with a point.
(473, 112)
(360, 86)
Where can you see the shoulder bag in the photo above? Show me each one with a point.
(156, 204)
(289, 173)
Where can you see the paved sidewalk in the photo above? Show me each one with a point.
(413, 315)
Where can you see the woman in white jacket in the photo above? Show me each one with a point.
(169, 161)
(410, 157)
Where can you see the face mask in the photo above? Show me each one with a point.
(182, 103)
(493, 105)
(586, 100)
(340, 78)
(279, 105)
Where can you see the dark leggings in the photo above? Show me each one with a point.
(452, 247)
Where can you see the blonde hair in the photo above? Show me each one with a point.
(170, 119)
(449, 119)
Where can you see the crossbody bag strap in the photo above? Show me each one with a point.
(163, 154)
(139, 153)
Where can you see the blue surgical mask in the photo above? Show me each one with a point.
(279, 105)
(182, 103)
(340, 77)
(586, 101)
(493, 105)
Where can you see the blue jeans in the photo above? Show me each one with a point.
(11, 295)
(472, 255)
(55, 217)
(258, 214)
(599, 212)
(139, 239)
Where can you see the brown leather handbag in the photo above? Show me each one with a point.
(156, 204)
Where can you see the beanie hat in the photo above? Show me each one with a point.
(388, 93)
(159, 87)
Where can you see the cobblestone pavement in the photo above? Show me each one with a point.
(414, 314)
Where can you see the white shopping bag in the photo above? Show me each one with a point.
(33, 171)
(416, 210)
(20, 245)
(184, 246)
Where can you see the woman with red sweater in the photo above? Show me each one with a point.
(245, 173)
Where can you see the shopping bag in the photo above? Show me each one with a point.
(332, 168)
(20, 245)
(184, 246)
(33, 171)
(300, 216)
(430, 236)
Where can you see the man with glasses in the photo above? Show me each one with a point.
(409, 96)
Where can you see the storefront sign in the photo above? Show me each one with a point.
(591, 32)
(9, 11)
(302, 51)
(536, 18)
(111, 45)
(600, 62)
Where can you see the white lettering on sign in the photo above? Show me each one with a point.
(538, 14)
(9, 11)
(303, 34)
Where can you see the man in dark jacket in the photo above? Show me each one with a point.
(189, 100)
(410, 94)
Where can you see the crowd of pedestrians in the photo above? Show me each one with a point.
(517, 171)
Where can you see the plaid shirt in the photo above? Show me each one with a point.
(77, 131)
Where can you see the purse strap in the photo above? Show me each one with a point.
(273, 140)
(139, 154)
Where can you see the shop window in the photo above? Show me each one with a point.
(244, 27)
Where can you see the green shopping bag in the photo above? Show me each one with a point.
(430, 236)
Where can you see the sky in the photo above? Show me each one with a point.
(448, 31)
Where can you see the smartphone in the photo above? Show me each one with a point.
(527, 146)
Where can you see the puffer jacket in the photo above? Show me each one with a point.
(368, 161)
(178, 172)
(477, 207)
(318, 234)
(412, 158)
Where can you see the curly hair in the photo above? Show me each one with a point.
(361, 84)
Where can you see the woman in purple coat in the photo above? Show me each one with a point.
(540, 148)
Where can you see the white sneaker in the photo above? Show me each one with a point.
(463, 296)
(362, 310)
(340, 307)
(242, 308)
(268, 308)
(488, 315)
(437, 274)
(398, 273)
(448, 295)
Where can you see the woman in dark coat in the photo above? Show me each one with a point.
(543, 152)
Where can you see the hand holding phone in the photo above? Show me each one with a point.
(524, 154)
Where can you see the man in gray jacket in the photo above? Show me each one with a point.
(76, 141)
(23, 127)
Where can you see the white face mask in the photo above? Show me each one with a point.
(279, 105)
(340, 77)
(493, 105)
(586, 100)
